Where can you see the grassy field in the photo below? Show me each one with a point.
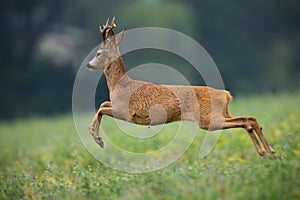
(43, 158)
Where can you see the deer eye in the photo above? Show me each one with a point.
(98, 54)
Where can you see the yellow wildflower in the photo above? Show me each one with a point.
(52, 180)
(297, 152)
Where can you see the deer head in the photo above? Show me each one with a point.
(108, 51)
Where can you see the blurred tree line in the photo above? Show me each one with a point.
(255, 44)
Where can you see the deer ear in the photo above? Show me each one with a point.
(119, 37)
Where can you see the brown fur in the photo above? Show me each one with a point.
(151, 104)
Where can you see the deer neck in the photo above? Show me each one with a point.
(115, 73)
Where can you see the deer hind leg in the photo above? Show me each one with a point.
(251, 126)
(105, 109)
(260, 134)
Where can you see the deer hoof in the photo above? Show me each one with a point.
(262, 153)
(100, 142)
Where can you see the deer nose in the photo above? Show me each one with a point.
(90, 66)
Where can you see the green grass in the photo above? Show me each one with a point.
(43, 158)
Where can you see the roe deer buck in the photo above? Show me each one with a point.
(150, 104)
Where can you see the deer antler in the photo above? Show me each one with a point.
(106, 30)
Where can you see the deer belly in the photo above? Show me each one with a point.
(154, 114)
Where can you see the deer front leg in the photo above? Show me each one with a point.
(105, 109)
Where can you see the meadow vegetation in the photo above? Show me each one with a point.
(43, 158)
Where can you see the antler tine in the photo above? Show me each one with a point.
(101, 30)
(113, 23)
(106, 25)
